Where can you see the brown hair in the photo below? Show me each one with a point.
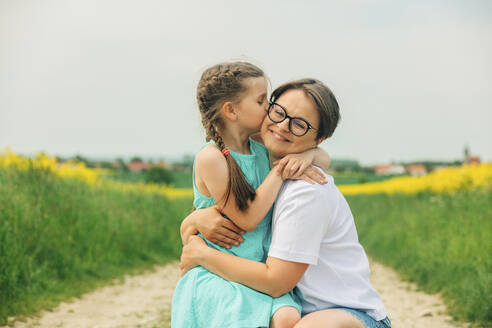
(326, 103)
(221, 83)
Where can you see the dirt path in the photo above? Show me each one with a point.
(144, 301)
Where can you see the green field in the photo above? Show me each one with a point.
(183, 179)
(356, 178)
(60, 238)
(441, 242)
(179, 179)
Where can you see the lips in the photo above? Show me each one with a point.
(278, 136)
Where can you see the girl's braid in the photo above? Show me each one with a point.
(218, 84)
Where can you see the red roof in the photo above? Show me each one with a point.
(416, 169)
(138, 166)
(474, 159)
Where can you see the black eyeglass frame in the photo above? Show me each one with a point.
(309, 126)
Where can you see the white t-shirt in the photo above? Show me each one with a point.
(313, 224)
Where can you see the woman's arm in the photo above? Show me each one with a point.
(187, 228)
(213, 226)
(275, 277)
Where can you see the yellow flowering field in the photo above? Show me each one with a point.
(92, 177)
(442, 181)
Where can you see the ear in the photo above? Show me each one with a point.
(320, 140)
(228, 110)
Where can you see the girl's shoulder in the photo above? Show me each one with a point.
(210, 158)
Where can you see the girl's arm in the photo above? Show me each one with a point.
(321, 158)
(212, 176)
(275, 277)
(294, 165)
(299, 162)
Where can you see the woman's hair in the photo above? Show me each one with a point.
(219, 84)
(326, 103)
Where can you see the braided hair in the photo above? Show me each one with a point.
(221, 83)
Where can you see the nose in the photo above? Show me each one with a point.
(284, 125)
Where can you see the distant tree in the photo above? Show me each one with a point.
(122, 165)
(185, 164)
(344, 165)
(136, 159)
(106, 164)
(59, 159)
(157, 174)
(79, 158)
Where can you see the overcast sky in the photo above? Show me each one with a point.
(107, 78)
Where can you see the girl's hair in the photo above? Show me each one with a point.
(326, 103)
(221, 83)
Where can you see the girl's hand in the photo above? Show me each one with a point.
(312, 175)
(217, 229)
(191, 254)
(292, 166)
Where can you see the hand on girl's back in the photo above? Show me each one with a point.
(218, 229)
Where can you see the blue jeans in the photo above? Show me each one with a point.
(368, 321)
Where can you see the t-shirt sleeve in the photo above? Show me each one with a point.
(300, 222)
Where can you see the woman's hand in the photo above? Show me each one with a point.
(191, 254)
(217, 229)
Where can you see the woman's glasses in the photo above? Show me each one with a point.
(297, 125)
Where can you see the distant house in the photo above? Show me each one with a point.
(470, 159)
(473, 160)
(389, 169)
(416, 169)
(137, 166)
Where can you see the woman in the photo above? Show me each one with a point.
(314, 240)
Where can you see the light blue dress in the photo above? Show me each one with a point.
(203, 299)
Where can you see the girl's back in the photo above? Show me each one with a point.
(255, 168)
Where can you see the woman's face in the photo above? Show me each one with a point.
(277, 137)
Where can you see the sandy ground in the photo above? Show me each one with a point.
(145, 301)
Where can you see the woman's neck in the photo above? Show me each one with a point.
(273, 158)
(236, 140)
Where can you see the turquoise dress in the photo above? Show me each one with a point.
(204, 299)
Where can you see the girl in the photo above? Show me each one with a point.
(232, 98)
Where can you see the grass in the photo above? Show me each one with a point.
(349, 178)
(441, 242)
(180, 179)
(60, 238)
